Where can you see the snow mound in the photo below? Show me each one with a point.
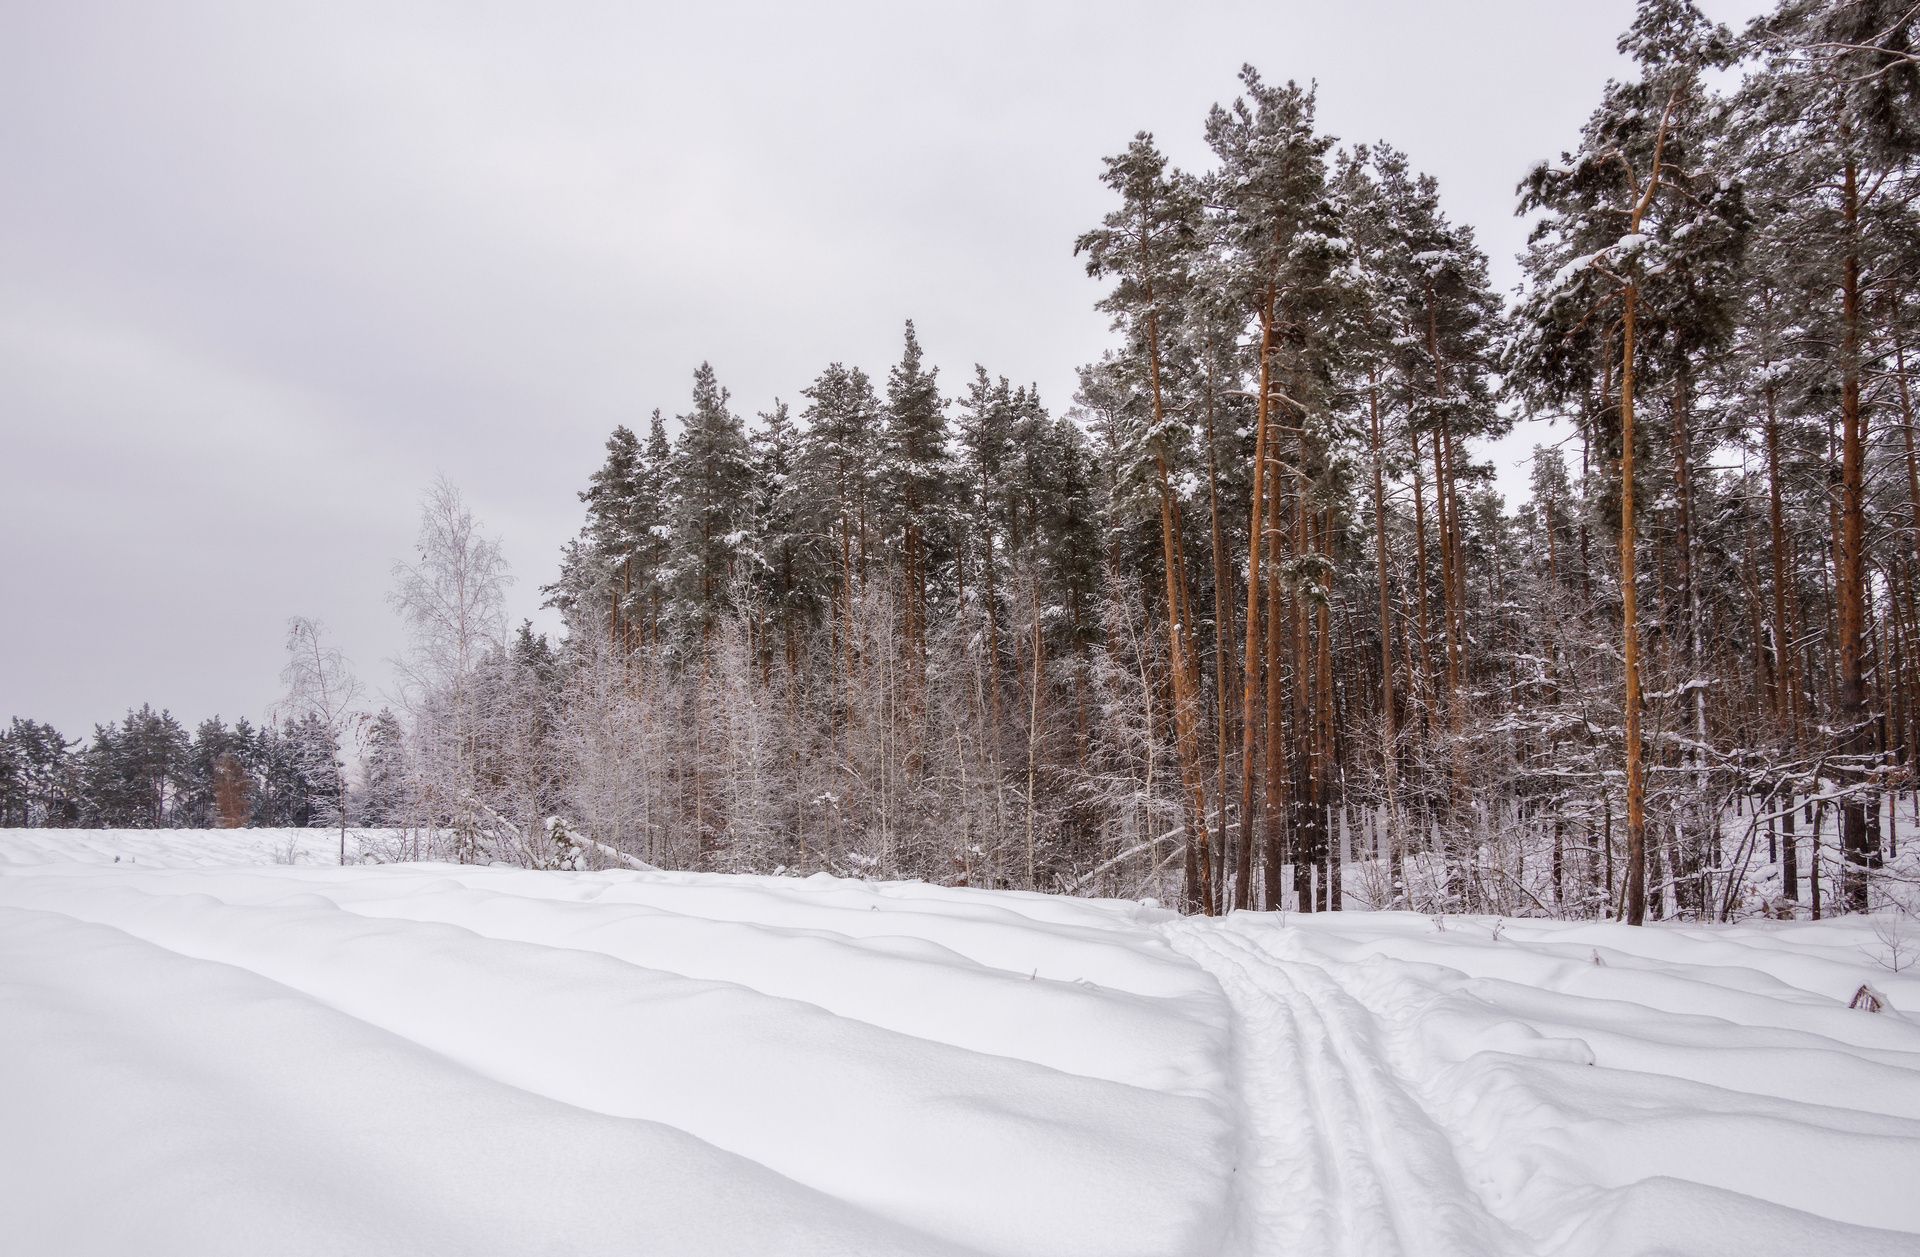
(204, 1052)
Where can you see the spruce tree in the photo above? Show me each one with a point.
(385, 792)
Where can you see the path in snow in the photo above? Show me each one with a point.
(1337, 1156)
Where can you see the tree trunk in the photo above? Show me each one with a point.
(1688, 859)
(1250, 673)
(1636, 887)
(1389, 729)
(1786, 697)
(1280, 829)
(1636, 884)
(1181, 657)
(1033, 726)
(1222, 610)
(1850, 577)
(1424, 596)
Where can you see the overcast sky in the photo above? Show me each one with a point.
(267, 269)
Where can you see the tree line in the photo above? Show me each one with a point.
(1246, 624)
(147, 771)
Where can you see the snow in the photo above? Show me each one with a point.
(205, 1051)
(178, 848)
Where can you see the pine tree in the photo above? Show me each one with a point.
(914, 450)
(1839, 97)
(1632, 225)
(386, 791)
(837, 471)
(41, 776)
(1145, 246)
(136, 771)
(213, 766)
(596, 585)
(789, 562)
(712, 473)
(1371, 184)
(1279, 244)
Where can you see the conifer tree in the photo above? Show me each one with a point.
(1279, 243)
(789, 560)
(914, 445)
(838, 467)
(385, 792)
(1839, 97)
(44, 775)
(711, 476)
(1631, 221)
(1145, 246)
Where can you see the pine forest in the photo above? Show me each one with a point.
(1244, 623)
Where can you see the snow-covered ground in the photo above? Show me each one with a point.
(182, 848)
(204, 1050)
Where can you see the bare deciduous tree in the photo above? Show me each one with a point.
(322, 688)
(453, 599)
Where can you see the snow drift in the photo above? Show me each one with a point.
(202, 1052)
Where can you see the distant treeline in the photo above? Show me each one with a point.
(147, 772)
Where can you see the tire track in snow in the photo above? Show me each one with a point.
(1337, 1156)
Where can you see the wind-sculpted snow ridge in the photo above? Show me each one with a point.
(223, 1057)
(433, 1058)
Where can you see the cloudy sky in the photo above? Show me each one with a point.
(266, 270)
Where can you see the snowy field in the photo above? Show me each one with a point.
(205, 1049)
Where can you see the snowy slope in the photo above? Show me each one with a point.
(203, 1052)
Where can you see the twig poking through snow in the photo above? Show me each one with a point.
(1896, 950)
